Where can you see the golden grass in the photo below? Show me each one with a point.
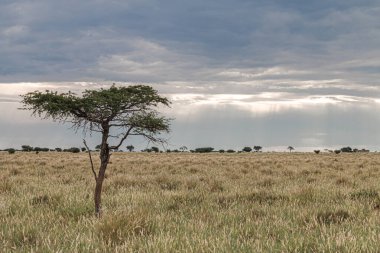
(182, 202)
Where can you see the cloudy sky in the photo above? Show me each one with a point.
(240, 73)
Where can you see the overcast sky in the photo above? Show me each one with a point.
(239, 73)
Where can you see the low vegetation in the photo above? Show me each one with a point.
(186, 202)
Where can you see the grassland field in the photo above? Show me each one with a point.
(183, 202)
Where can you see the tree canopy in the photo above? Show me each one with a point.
(130, 110)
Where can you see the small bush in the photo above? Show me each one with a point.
(11, 150)
(247, 149)
(204, 150)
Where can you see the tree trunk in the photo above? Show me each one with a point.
(98, 188)
(104, 159)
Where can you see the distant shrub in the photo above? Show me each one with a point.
(230, 151)
(346, 150)
(26, 148)
(72, 150)
(317, 151)
(204, 150)
(11, 150)
(155, 149)
(58, 149)
(337, 151)
(247, 149)
(221, 151)
(38, 149)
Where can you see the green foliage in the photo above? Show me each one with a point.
(130, 106)
(204, 150)
(11, 150)
(183, 148)
(38, 149)
(26, 148)
(130, 148)
(257, 148)
(72, 150)
(247, 149)
(58, 149)
(155, 149)
(346, 150)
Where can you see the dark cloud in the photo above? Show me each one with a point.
(71, 40)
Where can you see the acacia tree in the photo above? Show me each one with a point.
(183, 148)
(130, 148)
(116, 113)
(290, 148)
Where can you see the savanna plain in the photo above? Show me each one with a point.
(184, 202)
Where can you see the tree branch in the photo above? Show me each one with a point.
(92, 164)
(122, 139)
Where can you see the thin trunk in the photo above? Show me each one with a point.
(97, 196)
(98, 190)
(104, 159)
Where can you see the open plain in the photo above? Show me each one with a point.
(184, 202)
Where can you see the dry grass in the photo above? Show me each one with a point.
(192, 203)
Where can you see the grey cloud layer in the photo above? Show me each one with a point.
(172, 41)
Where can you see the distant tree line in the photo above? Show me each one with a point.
(131, 148)
(28, 148)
